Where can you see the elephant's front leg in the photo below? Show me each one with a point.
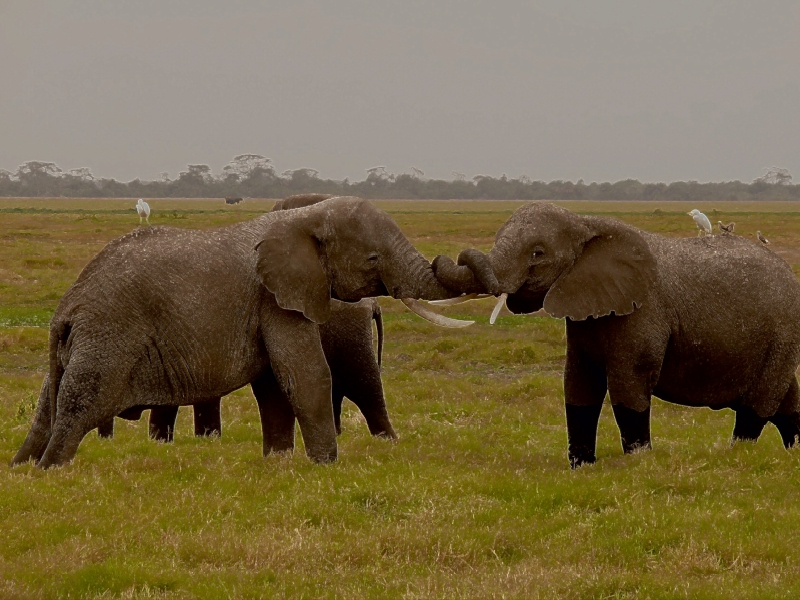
(302, 372)
(584, 392)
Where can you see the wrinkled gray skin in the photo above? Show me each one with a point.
(170, 317)
(712, 321)
(347, 344)
(355, 373)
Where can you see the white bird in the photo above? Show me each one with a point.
(702, 222)
(143, 208)
(761, 238)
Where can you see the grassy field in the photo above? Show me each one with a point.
(474, 501)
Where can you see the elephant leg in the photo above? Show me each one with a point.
(39, 434)
(584, 392)
(81, 408)
(106, 429)
(162, 423)
(368, 396)
(787, 419)
(630, 388)
(299, 365)
(634, 427)
(582, 433)
(338, 400)
(789, 428)
(277, 415)
(207, 419)
(748, 425)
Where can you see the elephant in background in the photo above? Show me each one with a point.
(169, 317)
(712, 321)
(347, 342)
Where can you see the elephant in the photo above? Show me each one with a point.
(168, 317)
(711, 321)
(355, 373)
(347, 344)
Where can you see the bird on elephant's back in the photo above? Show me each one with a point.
(166, 316)
(711, 321)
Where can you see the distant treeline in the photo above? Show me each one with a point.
(254, 176)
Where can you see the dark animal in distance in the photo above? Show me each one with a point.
(232, 200)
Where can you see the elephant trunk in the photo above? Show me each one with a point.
(417, 279)
(473, 273)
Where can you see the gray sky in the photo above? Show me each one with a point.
(555, 89)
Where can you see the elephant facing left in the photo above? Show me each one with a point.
(169, 317)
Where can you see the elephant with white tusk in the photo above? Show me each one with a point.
(711, 321)
(169, 317)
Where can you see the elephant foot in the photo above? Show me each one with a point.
(579, 457)
(32, 449)
(582, 433)
(162, 423)
(748, 426)
(207, 418)
(387, 435)
(789, 428)
(634, 428)
(323, 456)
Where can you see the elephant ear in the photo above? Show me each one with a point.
(613, 274)
(289, 266)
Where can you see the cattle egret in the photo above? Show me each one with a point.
(726, 228)
(702, 222)
(143, 208)
(761, 238)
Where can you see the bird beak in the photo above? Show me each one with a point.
(688, 213)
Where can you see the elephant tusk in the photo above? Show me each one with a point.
(500, 303)
(426, 313)
(459, 299)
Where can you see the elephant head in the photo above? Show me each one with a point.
(547, 257)
(343, 248)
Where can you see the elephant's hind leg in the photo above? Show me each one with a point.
(277, 415)
(634, 428)
(161, 425)
(39, 434)
(748, 425)
(787, 419)
(207, 418)
(106, 429)
(86, 398)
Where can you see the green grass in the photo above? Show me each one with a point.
(475, 500)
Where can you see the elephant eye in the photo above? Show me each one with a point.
(373, 257)
(537, 254)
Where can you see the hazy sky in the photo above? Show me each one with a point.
(555, 89)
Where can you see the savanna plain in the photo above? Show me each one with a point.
(475, 500)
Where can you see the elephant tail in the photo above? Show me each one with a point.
(378, 317)
(59, 332)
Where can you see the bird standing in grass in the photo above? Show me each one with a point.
(726, 228)
(143, 208)
(702, 222)
(761, 238)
